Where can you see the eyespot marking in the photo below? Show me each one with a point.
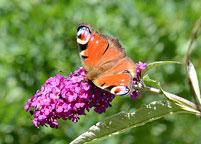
(120, 90)
(125, 71)
(83, 35)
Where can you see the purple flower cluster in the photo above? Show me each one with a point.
(67, 98)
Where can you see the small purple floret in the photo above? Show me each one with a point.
(137, 79)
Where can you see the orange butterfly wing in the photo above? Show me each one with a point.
(94, 47)
(117, 84)
(118, 79)
(105, 61)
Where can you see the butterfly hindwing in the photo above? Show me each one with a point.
(118, 79)
(118, 84)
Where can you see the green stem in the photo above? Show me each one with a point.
(188, 57)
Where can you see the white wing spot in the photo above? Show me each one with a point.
(92, 38)
(123, 80)
(82, 53)
(96, 41)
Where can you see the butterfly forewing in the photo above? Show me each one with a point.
(93, 47)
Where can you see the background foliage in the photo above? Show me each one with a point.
(38, 38)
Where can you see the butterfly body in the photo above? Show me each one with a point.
(105, 61)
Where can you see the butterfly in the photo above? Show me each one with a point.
(105, 61)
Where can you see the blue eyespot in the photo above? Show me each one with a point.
(83, 35)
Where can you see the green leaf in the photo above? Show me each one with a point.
(148, 79)
(156, 64)
(192, 75)
(123, 121)
(183, 103)
(150, 82)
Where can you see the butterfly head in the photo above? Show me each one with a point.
(83, 35)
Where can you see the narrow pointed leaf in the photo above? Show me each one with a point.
(159, 63)
(183, 103)
(192, 75)
(150, 82)
(148, 79)
(123, 121)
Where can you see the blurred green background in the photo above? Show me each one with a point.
(38, 39)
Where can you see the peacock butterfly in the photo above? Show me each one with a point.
(105, 61)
